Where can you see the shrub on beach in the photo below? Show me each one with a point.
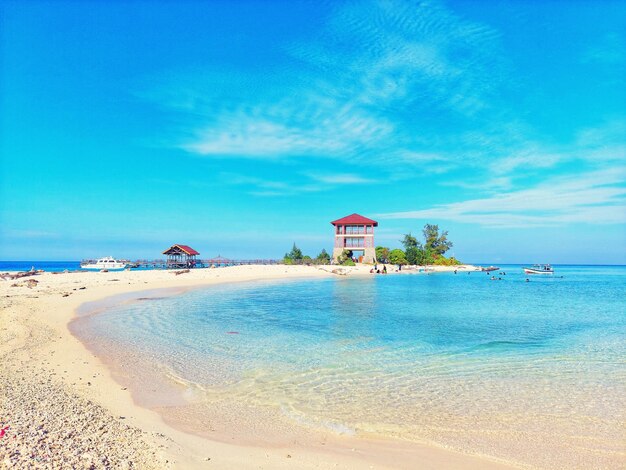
(443, 261)
(345, 258)
(323, 257)
(295, 256)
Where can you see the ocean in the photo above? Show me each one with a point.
(49, 266)
(532, 373)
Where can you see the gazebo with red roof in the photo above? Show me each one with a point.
(355, 233)
(180, 256)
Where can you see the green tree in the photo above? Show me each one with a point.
(409, 241)
(294, 255)
(423, 257)
(382, 254)
(397, 256)
(434, 243)
(323, 257)
(413, 249)
(412, 255)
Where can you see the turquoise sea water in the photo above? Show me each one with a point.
(497, 367)
(50, 266)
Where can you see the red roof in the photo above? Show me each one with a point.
(355, 219)
(187, 249)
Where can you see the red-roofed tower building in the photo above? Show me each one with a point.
(355, 233)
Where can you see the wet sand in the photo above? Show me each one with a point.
(64, 408)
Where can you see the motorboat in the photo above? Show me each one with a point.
(489, 269)
(539, 269)
(107, 263)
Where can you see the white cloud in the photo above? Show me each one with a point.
(600, 145)
(278, 132)
(349, 96)
(307, 183)
(610, 49)
(501, 183)
(596, 198)
(536, 157)
(365, 89)
(340, 179)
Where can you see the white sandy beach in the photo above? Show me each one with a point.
(63, 408)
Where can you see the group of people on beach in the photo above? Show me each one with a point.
(375, 270)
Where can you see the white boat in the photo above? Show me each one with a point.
(539, 269)
(108, 263)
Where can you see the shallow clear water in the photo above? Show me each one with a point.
(503, 368)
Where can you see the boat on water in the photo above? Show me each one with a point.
(489, 269)
(107, 263)
(539, 269)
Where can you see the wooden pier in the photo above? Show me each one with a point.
(218, 262)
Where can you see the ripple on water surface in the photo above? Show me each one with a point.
(529, 372)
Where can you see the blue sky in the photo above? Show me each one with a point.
(241, 127)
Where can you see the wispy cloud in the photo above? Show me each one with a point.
(263, 187)
(390, 84)
(501, 183)
(306, 183)
(271, 135)
(610, 49)
(365, 89)
(340, 179)
(360, 89)
(600, 145)
(595, 198)
(609, 134)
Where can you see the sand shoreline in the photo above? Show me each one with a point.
(41, 358)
